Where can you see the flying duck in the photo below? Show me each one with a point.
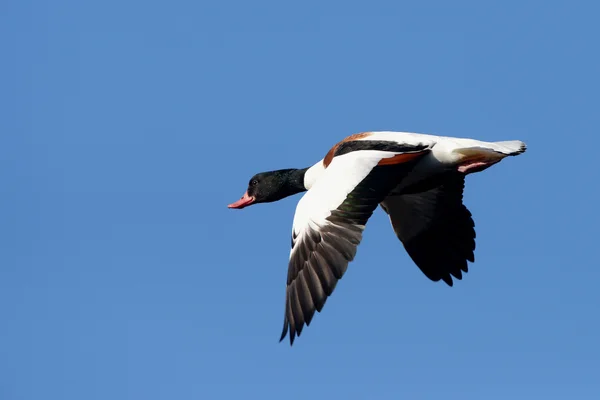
(417, 179)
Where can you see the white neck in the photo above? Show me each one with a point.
(312, 174)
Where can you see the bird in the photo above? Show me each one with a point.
(417, 179)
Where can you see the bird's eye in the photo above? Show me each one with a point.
(253, 182)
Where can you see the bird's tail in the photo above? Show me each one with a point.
(509, 147)
(482, 155)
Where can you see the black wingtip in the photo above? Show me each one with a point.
(284, 331)
(448, 280)
(283, 335)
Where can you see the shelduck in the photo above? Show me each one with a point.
(417, 179)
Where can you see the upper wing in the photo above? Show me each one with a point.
(329, 222)
(435, 227)
(389, 141)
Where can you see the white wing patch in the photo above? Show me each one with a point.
(402, 137)
(332, 187)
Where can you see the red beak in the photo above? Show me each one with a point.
(243, 202)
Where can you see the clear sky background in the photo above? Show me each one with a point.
(128, 126)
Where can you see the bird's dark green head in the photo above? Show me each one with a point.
(266, 187)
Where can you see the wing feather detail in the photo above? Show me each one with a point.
(328, 226)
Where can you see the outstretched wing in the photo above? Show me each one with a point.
(329, 222)
(437, 230)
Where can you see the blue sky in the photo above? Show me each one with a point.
(128, 126)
